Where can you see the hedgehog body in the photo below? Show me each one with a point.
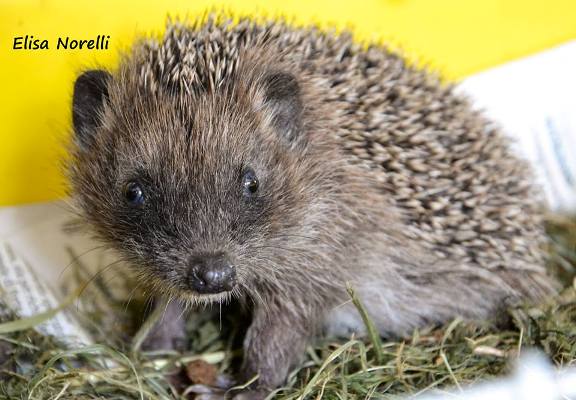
(367, 172)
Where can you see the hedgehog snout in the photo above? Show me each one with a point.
(211, 273)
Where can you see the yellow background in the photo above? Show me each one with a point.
(457, 37)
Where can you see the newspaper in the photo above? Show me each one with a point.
(38, 267)
(534, 100)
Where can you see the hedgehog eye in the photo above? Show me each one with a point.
(134, 194)
(250, 183)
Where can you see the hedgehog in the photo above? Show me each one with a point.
(275, 166)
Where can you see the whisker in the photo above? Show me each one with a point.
(308, 256)
(69, 207)
(148, 306)
(183, 308)
(93, 278)
(131, 295)
(220, 314)
(76, 258)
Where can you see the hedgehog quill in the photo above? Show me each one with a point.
(273, 166)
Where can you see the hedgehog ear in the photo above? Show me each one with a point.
(90, 94)
(282, 96)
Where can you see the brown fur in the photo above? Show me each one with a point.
(372, 172)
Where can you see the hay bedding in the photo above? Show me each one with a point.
(37, 367)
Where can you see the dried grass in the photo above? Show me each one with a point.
(456, 354)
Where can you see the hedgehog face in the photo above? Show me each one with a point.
(200, 194)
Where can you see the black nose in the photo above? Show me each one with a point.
(211, 273)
